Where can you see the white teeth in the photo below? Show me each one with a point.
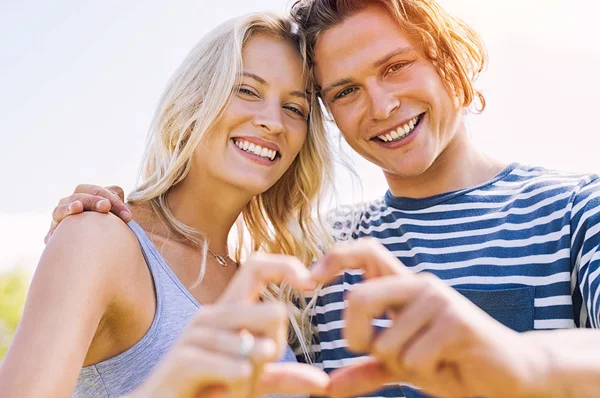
(402, 131)
(255, 149)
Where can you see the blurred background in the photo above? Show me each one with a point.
(79, 81)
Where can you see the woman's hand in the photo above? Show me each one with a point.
(228, 349)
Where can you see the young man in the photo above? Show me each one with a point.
(519, 242)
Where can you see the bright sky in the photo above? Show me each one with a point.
(79, 81)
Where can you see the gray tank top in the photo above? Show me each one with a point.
(175, 307)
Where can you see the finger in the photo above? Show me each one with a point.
(116, 205)
(118, 191)
(262, 269)
(372, 299)
(410, 321)
(47, 237)
(360, 378)
(215, 392)
(229, 342)
(292, 379)
(264, 319)
(366, 254)
(74, 206)
(422, 355)
(77, 203)
(206, 368)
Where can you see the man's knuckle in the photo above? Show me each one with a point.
(336, 253)
(80, 188)
(357, 299)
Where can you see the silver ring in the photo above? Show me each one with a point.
(246, 344)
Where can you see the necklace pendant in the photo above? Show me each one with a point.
(221, 260)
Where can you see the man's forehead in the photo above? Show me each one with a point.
(348, 46)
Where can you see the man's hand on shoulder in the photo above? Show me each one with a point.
(88, 197)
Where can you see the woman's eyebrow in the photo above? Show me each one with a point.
(256, 77)
(301, 94)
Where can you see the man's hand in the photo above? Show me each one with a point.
(438, 341)
(90, 198)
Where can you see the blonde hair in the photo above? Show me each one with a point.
(454, 48)
(279, 220)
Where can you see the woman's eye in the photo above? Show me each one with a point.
(246, 91)
(295, 110)
(344, 92)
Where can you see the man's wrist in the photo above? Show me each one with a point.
(544, 377)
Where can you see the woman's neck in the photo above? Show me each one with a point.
(208, 209)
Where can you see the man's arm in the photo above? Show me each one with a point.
(585, 253)
(73, 285)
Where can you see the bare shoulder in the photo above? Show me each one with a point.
(74, 289)
(94, 230)
(92, 245)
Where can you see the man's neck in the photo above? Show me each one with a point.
(459, 166)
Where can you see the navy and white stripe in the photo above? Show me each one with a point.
(523, 246)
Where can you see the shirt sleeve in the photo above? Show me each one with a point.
(585, 254)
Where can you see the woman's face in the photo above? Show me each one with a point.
(265, 124)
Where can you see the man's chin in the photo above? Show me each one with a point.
(407, 170)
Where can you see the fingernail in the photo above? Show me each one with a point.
(125, 214)
(69, 207)
(99, 204)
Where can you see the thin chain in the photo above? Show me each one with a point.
(222, 260)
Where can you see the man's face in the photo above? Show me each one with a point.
(387, 99)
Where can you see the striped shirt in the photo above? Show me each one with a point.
(522, 246)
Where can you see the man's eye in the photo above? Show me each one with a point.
(396, 67)
(344, 92)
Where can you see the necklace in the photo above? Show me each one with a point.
(222, 260)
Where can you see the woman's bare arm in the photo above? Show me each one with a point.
(74, 284)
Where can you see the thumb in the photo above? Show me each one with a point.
(364, 377)
(262, 269)
(292, 379)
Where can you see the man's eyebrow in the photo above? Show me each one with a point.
(256, 77)
(390, 55)
(375, 65)
(337, 83)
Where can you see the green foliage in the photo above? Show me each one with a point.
(13, 289)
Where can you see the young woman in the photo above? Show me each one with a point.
(237, 136)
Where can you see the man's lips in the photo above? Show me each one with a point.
(399, 131)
